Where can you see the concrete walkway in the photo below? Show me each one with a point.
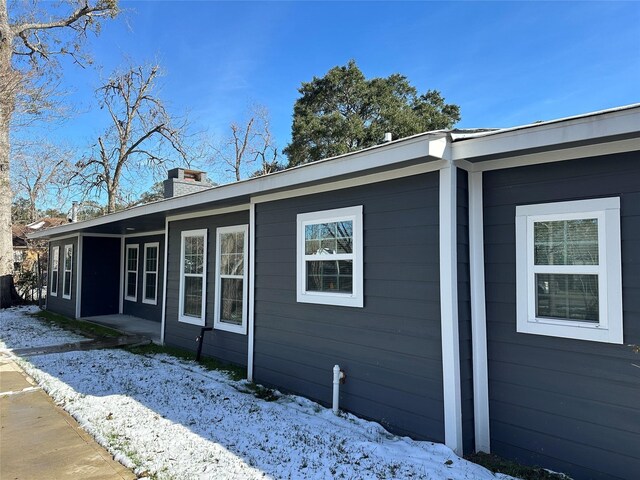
(130, 324)
(39, 440)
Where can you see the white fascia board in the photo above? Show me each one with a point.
(419, 146)
(588, 128)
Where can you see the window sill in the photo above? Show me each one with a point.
(331, 299)
(227, 327)
(191, 320)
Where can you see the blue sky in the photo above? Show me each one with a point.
(504, 63)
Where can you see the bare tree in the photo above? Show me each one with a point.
(41, 172)
(249, 144)
(32, 35)
(141, 136)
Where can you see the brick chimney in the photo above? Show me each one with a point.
(181, 181)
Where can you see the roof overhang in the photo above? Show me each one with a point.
(421, 148)
(599, 133)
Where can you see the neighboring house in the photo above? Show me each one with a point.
(479, 288)
(27, 253)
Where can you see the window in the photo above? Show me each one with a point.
(330, 256)
(55, 265)
(231, 279)
(569, 281)
(66, 279)
(150, 278)
(131, 285)
(193, 276)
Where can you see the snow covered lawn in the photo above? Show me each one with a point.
(168, 418)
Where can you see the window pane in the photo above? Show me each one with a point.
(150, 287)
(66, 289)
(193, 254)
(330, 276)
(566, 242)
(54, 282)
(152, 259)
(68, 255)
(192, 300)
(329, 238)
(567, 296)
(132, 259)
(231, 300)
(131, 284)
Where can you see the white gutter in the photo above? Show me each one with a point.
(423, 145)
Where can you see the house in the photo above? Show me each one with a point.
(478, 288)
(29, 255)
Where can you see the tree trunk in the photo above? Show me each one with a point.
(9, 81)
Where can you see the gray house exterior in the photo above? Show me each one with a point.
(478, 288)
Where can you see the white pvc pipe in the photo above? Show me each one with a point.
(337, 376)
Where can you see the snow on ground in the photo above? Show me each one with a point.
(18, 330)
(169, 418)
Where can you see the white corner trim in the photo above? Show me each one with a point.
(449, 311)
(200, 321)
(218, 324)
(356, 297)
(153, 301)
(163, 320)
(478, 316)
(136, 247)
(79, 278)
(122, 260)
(252, 287)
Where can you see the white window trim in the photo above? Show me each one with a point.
(188, 318)
(354, 299)
(55, 262)
(154, 300)
(135, 247)
(609, 329)
(64, 271)
(217, 323)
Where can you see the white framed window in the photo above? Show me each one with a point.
(150, 274)
(55, 267)
(568, 267)
(330, 257)
(231, 279)
(131, 284)
(193, 276)
(66, 275)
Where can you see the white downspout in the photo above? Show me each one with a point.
(338, 378)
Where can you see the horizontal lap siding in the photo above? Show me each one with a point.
(464, 312)
(63, 306)
(391, 348)
(100, 276)
(139, 308)
(569, 405)
(226, 346)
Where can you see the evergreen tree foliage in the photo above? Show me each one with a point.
(344, 111)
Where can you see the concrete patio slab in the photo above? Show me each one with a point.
(130, 324)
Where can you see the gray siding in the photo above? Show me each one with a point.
(100, 276)
(391, 348)
(570, 405)
(66, 307)
(464, 313)
(139, 308)
(226, 346)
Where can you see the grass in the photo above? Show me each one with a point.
(234, 371)
(499, 465)
(81, 327)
